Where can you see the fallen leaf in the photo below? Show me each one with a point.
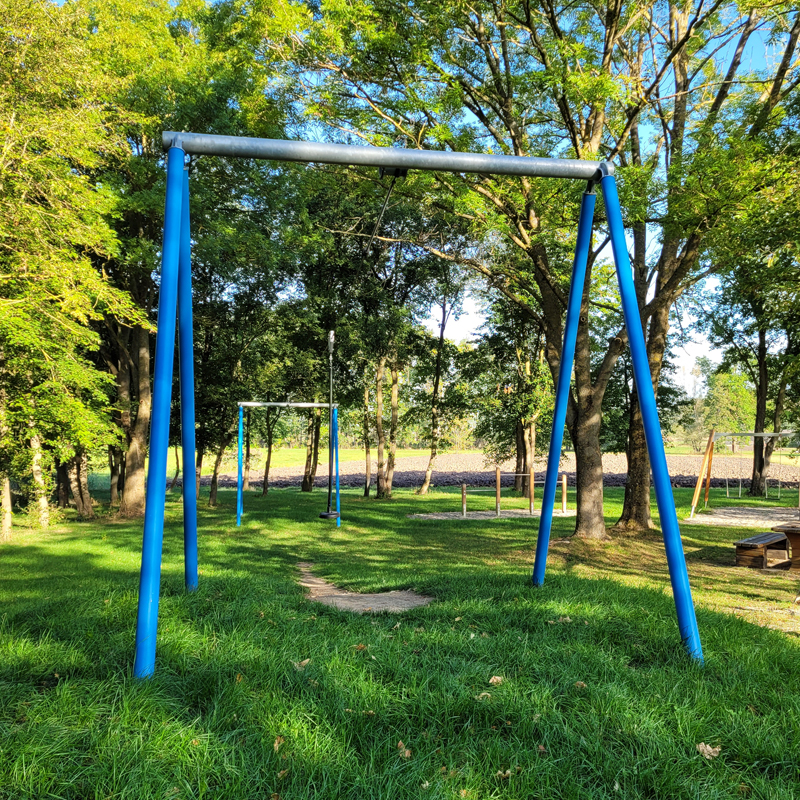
(503, 776)
(458, 619)
(395, 627)
(195, 742)
(400, 745)
(348, 711)
(301, 665)
(564, 619)
(707, 751)
(274, 796)
(484, 635)
(282, 774)
(369, 713)
(580, 685)
(616, 786)
(753, 710)
(743, 788)
(542, 748)
(426, 785)
(462, 793)
(279, 740)
(443, 770)
(496, 680)
(405, 754)
(312, 682)
(239, 677)
(483, 696)
(359, 648)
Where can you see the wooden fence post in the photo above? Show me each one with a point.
(463, 499)
(530, 490)
(497, 492)
(563, 492)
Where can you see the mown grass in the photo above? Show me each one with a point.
(597, 698)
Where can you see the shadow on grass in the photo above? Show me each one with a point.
(597, 698)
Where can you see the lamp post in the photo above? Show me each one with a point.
(330, 513)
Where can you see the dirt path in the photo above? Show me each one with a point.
(320, 591)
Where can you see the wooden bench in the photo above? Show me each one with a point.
(791, 530)
(752, 552)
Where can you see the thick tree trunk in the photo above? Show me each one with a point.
(381, 433)
(312, 450)
(530, 449)
(365, 434)
(133, 498)
(41, 492)
(395, 408)
(636, 506)
(174, 482)
(590, 523)
(6, 517)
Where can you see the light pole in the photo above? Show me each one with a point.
(330, 513)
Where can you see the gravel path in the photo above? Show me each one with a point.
(453, 469)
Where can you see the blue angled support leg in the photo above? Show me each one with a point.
(676, 560)
(150, 575)
(186, 343)
(562, 387)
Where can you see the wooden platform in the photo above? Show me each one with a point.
(756, 551)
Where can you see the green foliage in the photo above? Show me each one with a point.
(53, 233)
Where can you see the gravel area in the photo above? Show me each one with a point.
(738, 517)
(453, 469)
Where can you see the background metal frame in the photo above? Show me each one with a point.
(176, 289)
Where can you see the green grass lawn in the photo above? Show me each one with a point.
(597, 699)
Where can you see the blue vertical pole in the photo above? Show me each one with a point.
(239, 488)
(336, 457)
(562, 387)
(186, 350)
(676, 560)
(150, 575)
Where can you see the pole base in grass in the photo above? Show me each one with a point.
(329, 515)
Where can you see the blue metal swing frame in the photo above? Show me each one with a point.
(176, 292)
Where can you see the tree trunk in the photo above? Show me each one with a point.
(519, 464)
(636, 506)
(83, 478)
(437, 376)
(365, 433)
(39, 485)
(198, 469)
(760, 463)
(174, 480)
(312, 450)
(133, 498)
(530, 449)
(381, 434)
(212, 497)
(590, 523)
(114, 463)
(265, 484)
(246, 480)
(6, 517)
(83, 503)
(62, 484)
(395, 404)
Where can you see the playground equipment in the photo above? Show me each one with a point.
(708, 458)
(175, 289)
(531, 482)
(333, 447)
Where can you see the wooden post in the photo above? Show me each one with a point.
(563, 492)
(696, 495)
(708, 474)
(530, 490)
(497, 492)
(463, 499)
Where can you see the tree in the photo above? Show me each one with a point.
(580, 81)
(54, 404)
